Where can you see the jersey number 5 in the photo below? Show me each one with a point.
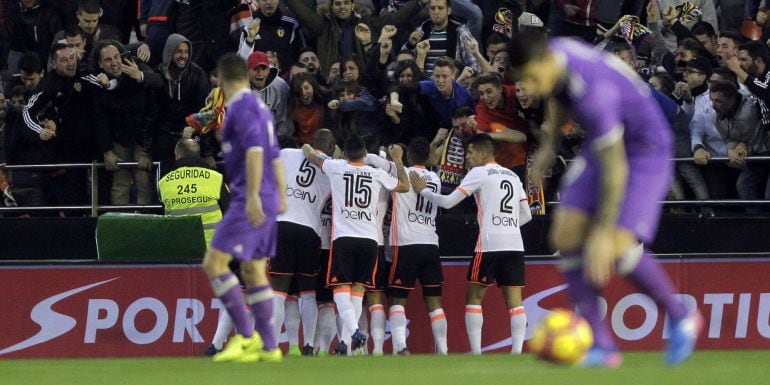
(306, 174)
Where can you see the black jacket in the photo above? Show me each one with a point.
(33, 29)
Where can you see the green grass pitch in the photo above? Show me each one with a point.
(706, 367)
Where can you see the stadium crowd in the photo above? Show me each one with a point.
(78, 86)
(417, 80)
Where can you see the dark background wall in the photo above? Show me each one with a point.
(74, 238)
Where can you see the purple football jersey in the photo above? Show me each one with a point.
(608, 99)
(248, 123)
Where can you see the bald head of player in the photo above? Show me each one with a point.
(187, 148)
(481, 150)
(233, 74)
(354, 149)
(323, 140)
(418, 152)
(534, 64)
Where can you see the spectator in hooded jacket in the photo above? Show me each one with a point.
(184, 91)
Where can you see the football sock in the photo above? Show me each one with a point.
(398, 327)
(346, 312)
(327, 326)
(291, 320)
(650, 277)
(309, 314)
(586, 300)
(279, 311)
(518, 328)
(260, 298)
(228, 289)
(474, 319)
(377, 315)
(357, 299)
(439, 326)
(224, 327)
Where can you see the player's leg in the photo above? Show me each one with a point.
(281, 269)
(363, 277)
(292, 322)
(227, 288)
(400, 284)
(339, 279)
(225, 325)
(479, 278)
(281, 285)
(375, 298)
(518, 317)
(327, 316)
(431, 278)
(509, 274)
(568, 233)
(308, 266)
(259, 296)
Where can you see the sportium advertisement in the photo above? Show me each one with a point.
(123, 311)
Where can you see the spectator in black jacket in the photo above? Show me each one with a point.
(57, 121)
(31, 29)
(272, 31)
(750, 66)
(185, 87)
(124, 112)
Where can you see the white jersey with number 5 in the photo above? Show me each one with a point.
(306, 190)
(355, 190)
(413, 220)
(498, 193)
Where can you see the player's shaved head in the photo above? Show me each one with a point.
(418, 151)
(526, 47)
(324, 140)
(187, 148)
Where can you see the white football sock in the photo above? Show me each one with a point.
(518, 328)
(474, 320)
(439, 326)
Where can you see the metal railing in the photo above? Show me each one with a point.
(95, 208)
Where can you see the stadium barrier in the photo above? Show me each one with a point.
(168, 310)
(126, 237)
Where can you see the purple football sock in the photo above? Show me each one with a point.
(228, 289)
(586, 298)
(260, 298)
(653, 280)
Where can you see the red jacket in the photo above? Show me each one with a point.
(586, 16)
(508, 155)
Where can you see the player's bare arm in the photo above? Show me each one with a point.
(280, 179)
(600, 247)
(254, 171)
(397, 153)
(509, 136)
(312, 155)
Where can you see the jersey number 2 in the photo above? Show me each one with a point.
(505, 203)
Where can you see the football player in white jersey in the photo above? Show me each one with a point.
(298, 248)
(502, 210)
(415, 252)
(353, 264)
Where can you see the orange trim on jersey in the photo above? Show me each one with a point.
(443, 316)
(480, 221)
(493, 163)
(393, 222)
(419, 166)
(375, 308)
(464, 191)
(356, 163)
(473, 310)
(393, 265)
(354, 294)
(374, 271)
(516, 311)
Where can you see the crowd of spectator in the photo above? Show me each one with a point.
(114, 81)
